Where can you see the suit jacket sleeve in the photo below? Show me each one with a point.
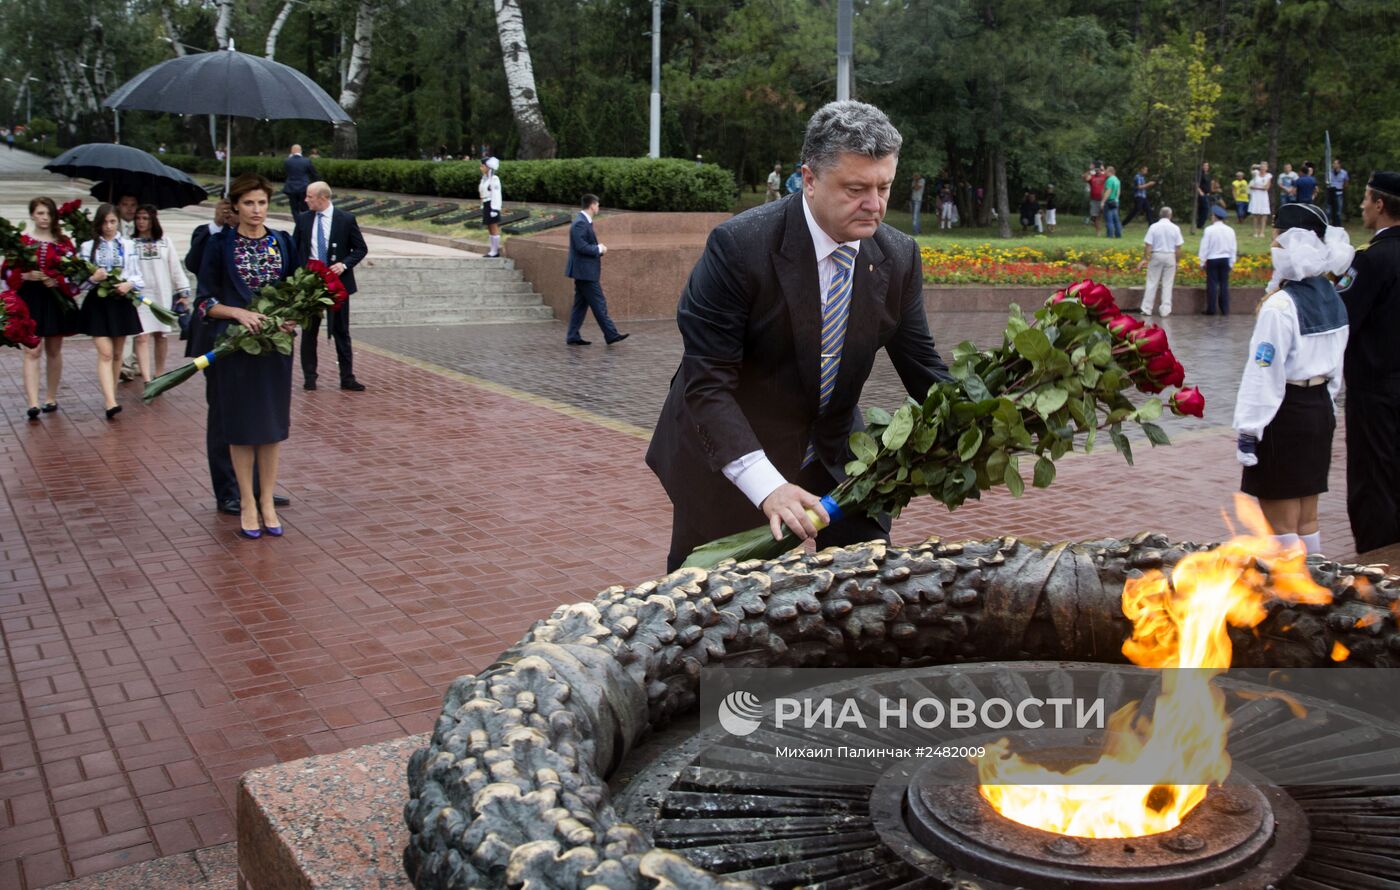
(713, 319)
(358, 249)
(196, 252)
(911, 349)
(1368, 283)
(582, 241)
(301, 235)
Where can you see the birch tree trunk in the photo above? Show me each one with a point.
(535, 141)
(347, 140)
(224, 9)
(1003, 199)
(270, 51)
(170, 31)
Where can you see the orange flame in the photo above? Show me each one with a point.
(1340, 652)
(1153, 771)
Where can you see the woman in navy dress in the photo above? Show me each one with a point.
(250, 395)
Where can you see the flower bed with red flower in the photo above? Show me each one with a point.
(1024, 265)
(301, 298)
(1058, 379)
(16, 327)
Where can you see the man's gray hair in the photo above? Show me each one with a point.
(319, 189)
(1165, 213)
(848, 128)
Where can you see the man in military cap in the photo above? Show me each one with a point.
(1371, 291)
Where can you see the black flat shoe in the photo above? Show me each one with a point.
(618, 339)
(309, 385)
(353, 386)
(578, 342)
(232, 506)
(280, 500)
(49, 407)
(113, 412)
(33, 413)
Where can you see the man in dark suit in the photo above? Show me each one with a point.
(333, 237)
(781, 320)
(223, 216)
(585, 267)
(299, 173)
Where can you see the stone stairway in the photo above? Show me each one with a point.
(442, 291)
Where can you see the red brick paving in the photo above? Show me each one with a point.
(151, 656)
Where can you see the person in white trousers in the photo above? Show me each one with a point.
(1161, 251)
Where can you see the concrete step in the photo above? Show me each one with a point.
(441, 283)
(436, 262)
(464, 315)
(378, 300)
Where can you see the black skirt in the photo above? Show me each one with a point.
(252, 397)
(1295, 452)
(489, 217)
(111, 316)
(51, 317)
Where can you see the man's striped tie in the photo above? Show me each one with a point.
(838, 309)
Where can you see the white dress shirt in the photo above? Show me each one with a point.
(1278, 353)
(322, 218)
(1164, 237)
(754, 473)
(1218, 243)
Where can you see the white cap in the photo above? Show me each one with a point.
(492, 163)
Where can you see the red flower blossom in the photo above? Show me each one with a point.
(1150, 340)
(69, 206)
(332, 282)
(1122, 325)
(1188, 402)
(19, 328)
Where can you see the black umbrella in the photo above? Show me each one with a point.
(175, 189)
(227, 83)
(123, 170)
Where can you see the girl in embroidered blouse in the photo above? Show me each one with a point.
(53, 318)
(166, 284)
(250, 396)
(111, 319)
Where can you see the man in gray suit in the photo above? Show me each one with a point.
(299, 173)
(781, 320)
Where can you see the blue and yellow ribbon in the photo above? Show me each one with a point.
(832, 508)
(203, 361)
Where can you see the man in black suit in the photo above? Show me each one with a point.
(223, 216)
(333, 237)
(585, 267)
(781, 320)
(299, 173)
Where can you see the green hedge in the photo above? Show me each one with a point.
(627, 183)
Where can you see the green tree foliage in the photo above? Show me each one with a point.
(1033, 88)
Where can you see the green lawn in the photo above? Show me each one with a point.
(1070, 233)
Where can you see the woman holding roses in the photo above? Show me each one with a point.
(1285, 413)
(250, 395)
(110, 319)
(54, 318)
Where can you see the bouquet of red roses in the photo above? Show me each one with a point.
(302, 298)
(78, 221)
(21, 256)
(1058, 379)
(77, 269)
(16, 327)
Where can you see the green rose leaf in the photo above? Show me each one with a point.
(863, 447)
(856, 467)
(1033, 345)
(1013, 480)
(252, 346)
(897, 433)
(969, 442)
(877, 416)
(1050, 400)
(1155, 434)
(1149, 410)
(1120, 442)
(1044, 472)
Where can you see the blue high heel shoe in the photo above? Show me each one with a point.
(274, 530)
(252, 534)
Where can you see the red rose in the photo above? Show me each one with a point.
(1122, 325)
(1188, 402)
(1058, 297)
(70, 206)
(1098, 300)
(1150, 340)
(1158, 365)
(1176, 376)
(1074, 289)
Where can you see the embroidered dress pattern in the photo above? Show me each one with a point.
(257, 260)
